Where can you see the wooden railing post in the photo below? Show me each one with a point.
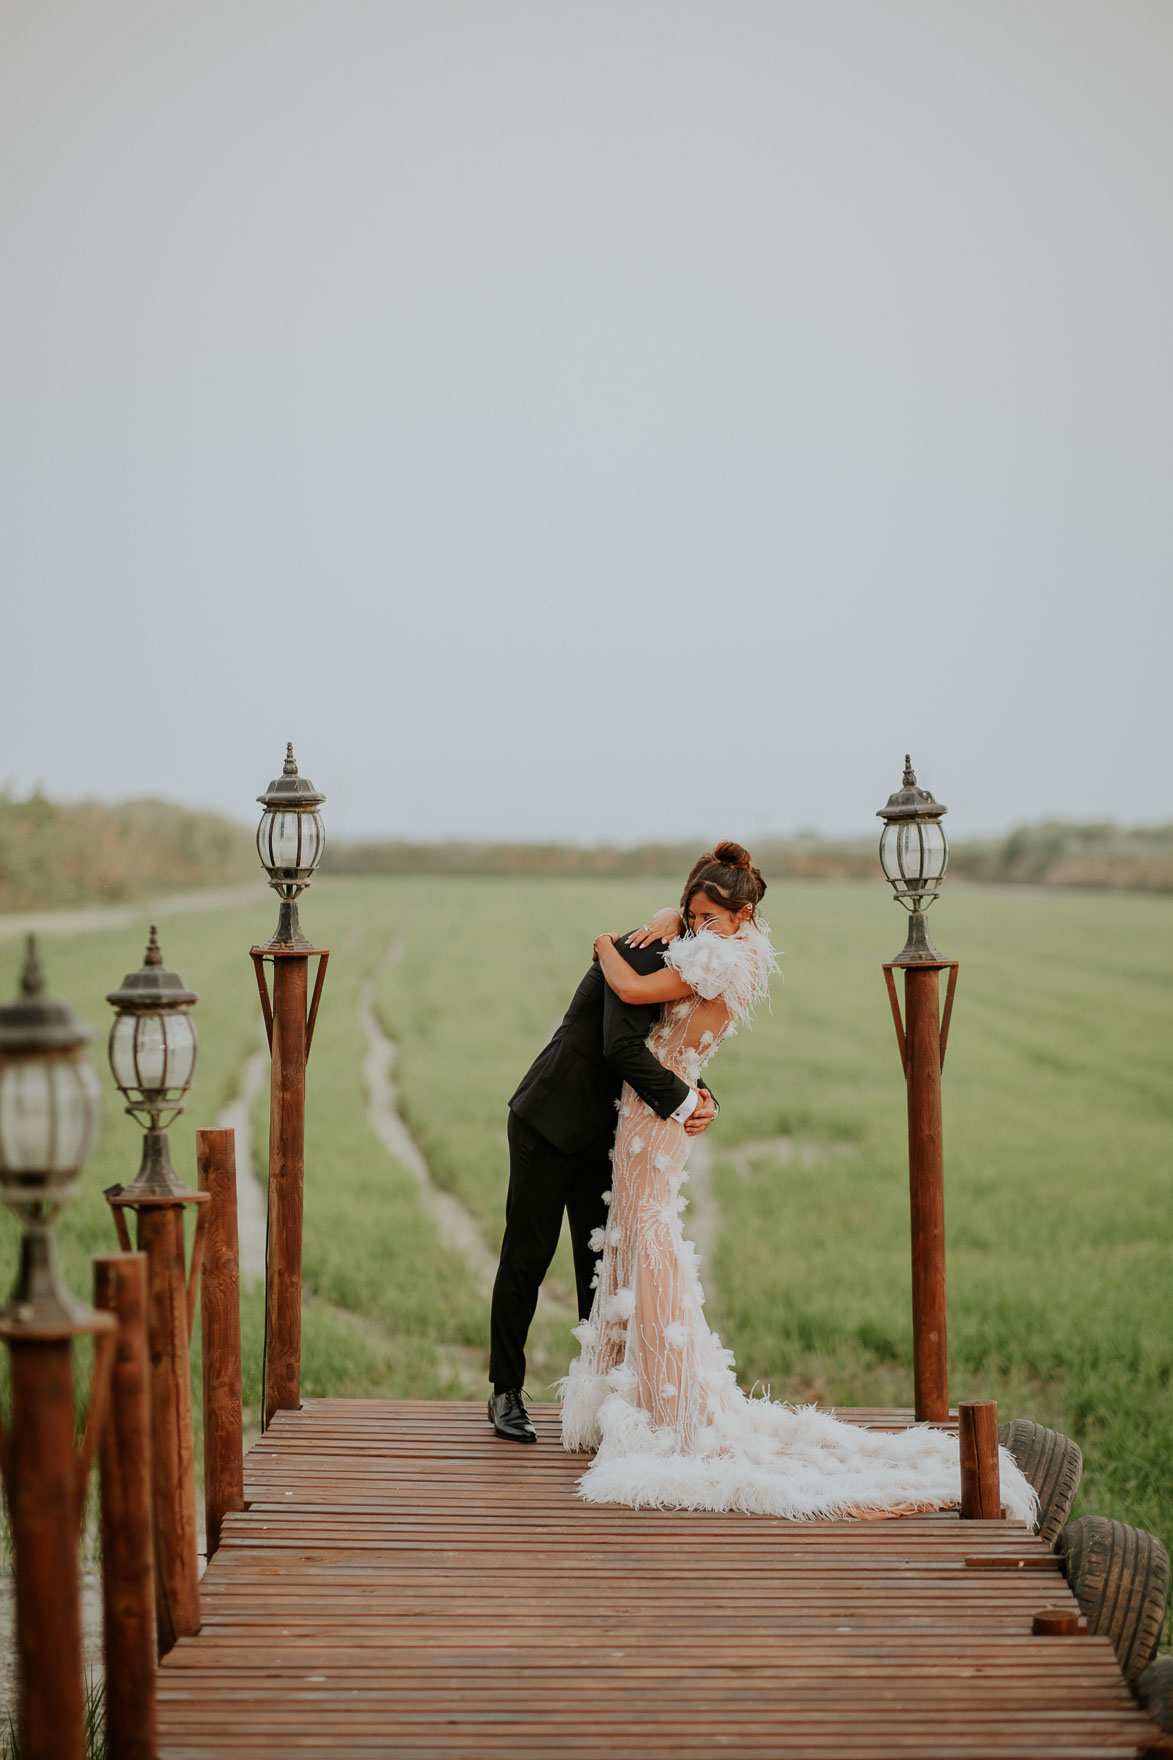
(177, 1592)
(290, 1030)
(45, 1482)
(128, 1563)
(926, 1173)
(922, 1038)
(286, 1185)
(42, 1495)
(977, 1433)
(170, 1304)
(220, 1323)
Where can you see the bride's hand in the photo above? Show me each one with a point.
(664, 926)
(599, 939)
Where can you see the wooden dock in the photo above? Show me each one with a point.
(405, 1584)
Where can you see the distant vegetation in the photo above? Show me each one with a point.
(85, 852)
(1052, 853)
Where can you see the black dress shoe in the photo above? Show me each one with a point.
(509, 1418)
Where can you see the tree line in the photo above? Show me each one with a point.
(85, 852)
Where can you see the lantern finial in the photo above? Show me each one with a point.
(290, 760)
(909, 773)
(154, 954)
(32, 973)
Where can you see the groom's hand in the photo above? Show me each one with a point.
(702, 1114)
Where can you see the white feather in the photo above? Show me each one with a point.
(736, 967)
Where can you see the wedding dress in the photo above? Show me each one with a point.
(653, 1391)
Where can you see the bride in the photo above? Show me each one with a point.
(653, 1391)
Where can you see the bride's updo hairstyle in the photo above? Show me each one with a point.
(727, 876)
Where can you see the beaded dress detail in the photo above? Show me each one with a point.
(653, 1390)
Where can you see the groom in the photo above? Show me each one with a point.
(561, 1132)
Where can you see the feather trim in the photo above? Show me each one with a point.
(780, 1460)
(735, 967)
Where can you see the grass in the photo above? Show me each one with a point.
(1057, 1114)
(93, 1733)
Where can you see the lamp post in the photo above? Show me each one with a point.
(290, 840)
(152, 1049)
(914, 853)
(49, 1109)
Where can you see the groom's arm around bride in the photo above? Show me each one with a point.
(569, 1092)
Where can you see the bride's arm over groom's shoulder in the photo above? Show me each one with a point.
(651, 986)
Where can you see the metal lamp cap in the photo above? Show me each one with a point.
(910, 801)
(36, 1021)
(289, 790)
(152, 986)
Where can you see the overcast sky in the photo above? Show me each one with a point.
(589, 418)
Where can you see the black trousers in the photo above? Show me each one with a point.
(543, 1182)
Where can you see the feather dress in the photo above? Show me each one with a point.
(653, 1391)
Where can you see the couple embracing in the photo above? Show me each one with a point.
(653, 1392)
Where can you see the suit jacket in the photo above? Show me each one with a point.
(569, 1092)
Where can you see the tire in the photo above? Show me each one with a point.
(1120, 1577)
(1052, 1463)
(1154, 1689)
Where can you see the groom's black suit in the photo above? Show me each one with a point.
(561, 1131)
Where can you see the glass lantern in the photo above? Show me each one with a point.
(153, 1045)
(914, 853)
(290, 841)
(50, 1104)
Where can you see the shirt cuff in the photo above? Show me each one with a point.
(687, 1107)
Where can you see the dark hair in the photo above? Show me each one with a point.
(726, 876)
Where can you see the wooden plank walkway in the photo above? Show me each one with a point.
(404, 1584)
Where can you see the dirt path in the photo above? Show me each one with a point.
(250, 1193)
(125, 916)
(784, 1149)
(454, 1224)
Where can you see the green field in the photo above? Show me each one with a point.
(1057, 1129)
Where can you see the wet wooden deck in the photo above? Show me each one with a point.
(404, 1584)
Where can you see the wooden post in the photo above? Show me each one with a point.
(120, 1288)
(1055, 1622)
(220, 1321)
(977, 1432)
(926, 1174)
(177, 1595)
(286, 1179)
(42, 1480)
